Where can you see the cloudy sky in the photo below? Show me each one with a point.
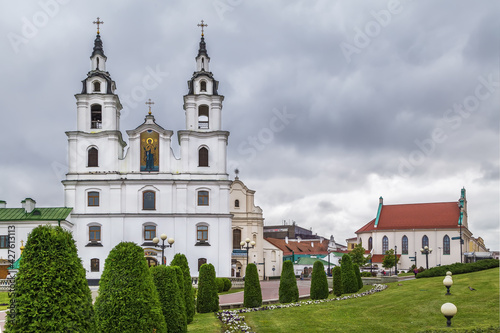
(330, 104)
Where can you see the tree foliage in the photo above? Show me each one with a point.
(288, 291)
(319, 283)
(338, 289)
(51, 292)
(349, 281)
(181, 261)
(358, 255)
(169, 292)
(252, 297)
(208, 298)
(389, 260)
(128, 300)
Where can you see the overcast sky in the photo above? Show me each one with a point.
(330, 104)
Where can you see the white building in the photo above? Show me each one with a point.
(136, 194)
(411, 227)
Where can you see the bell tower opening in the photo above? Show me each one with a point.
(203, 117)
(96, 116)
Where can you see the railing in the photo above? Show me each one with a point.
(5, 284)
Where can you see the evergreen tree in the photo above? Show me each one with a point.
(171, 299)
(349, 282)
(358, 276)
(180, 282)
(208, 298)
(358, 255)
(252, 296)
(288, 292)
(51, 292)
(181, 261)
(319, 283)
(338, 289)
(128, 300)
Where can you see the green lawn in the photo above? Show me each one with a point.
(4, 299)
(231, 291)
(205, 322)
(408, 306)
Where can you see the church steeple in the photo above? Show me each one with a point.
(202, 59)
(98, 59)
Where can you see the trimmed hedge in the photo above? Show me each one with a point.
(349, 281)
(181, 261)
(208, 298)
(51, 292)
(179, 274)
(220, 284)
(227, 284)
(366, 274)
(319, 283)
(252, 296)
(171, 298)
(337, 281)
(128, 300)
(288, 292)
(358, 276)
(459, 268)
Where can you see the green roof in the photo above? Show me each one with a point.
(38, 214)
(15, 265)
(311, 261)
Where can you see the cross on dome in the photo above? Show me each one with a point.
(202, 25)
(149, 103)
(100, 22)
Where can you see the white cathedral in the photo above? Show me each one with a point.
(139, 193)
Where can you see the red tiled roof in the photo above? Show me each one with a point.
(416, 216)
(379, 258)
(304, 247)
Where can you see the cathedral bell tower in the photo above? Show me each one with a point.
(97, 143)
(203, 143)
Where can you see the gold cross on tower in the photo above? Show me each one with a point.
(202, 25)
(149, 103)
(98, 22)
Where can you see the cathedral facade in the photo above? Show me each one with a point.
(139, 191)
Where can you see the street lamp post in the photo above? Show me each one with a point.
(426, 250)
(170, 241)
(396, 260)
(247, 244)
(461, 208)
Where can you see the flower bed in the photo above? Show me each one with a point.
(234, 322)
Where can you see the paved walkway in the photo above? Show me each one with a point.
(270, 291)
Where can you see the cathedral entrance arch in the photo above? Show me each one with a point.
(152, 261)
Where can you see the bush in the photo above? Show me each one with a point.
(337, 281)
(288, 291)
(366, 274)
(358, 276)
(128, 300)
(319, 283)
(349, 281)
(208, 298)
(180, 282)
(227, 284)
(220, 284)
(252, 296)
(51, 292)
(171, 299)
(181, 261)
(459, 268)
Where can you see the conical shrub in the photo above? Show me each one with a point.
(181, 261)
(208, 298)
(252, 296)
(51, 292)
(349, 281)
(338, 289)
(288, 292)
(128, 301)
(319, 283)
(358, 276)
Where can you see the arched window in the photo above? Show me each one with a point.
(93, 199)
(97, 86)
(96, 116)
(370, 244)
(201, 261)
(203, 117)
(236, 238)
(202, 233)
(385, 244)
(446, 244)
(149, 232)
(203, 157)
(236, 203)
(148, 200)
(92, 157)
(273, 255)
(203, 86)
(425, 241)
(95, 233)
(94, 265)
(404, 243)
(202, 198)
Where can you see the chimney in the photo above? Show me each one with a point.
(381, 200)
(286, 239)
(3, 204)
(28, 204)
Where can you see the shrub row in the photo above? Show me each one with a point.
(459, 268)
(223, 284)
